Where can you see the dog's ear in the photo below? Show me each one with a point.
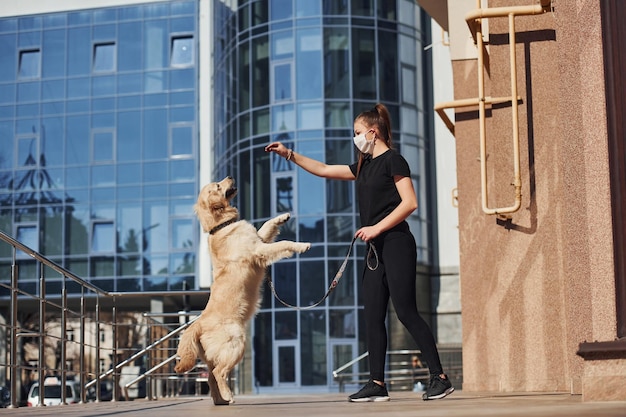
(201, 208)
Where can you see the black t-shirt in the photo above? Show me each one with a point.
(376, 190)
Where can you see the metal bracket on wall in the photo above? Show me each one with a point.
(474, 22)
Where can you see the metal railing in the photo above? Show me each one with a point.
(55, 323)
(404, 369)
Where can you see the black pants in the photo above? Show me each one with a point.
(395, 278)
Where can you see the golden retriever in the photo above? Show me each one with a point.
(240, 255)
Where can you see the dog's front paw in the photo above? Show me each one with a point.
(283, 218)
(303, 247)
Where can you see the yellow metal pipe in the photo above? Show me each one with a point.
(474, 22)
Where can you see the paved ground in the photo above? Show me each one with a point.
(402, 404)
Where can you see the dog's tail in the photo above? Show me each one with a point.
(188, 348)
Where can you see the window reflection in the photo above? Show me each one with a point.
(305, 8)
(336, 63)
(102, 146)
(281, 9)
(282, 45)
(284, 279)
(260, 58)
(282, 82)
(27, 234)
(309, 58)
(342, 323)
(182, 140)
(182, 231)
(262, 348)
(182, 263)
(310, 115)
(340, 228)
(363, 64)
(311, 229)
(103, 237)
(388, 59)
(284, 194)
(312, 282)
(283, 118)
(286, 325)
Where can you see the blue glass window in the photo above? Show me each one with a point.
(283, 118)
(408, 91)
(310, 115)
(9, 56)
(182, 51)
(104, 57)
(129, 47)
(282, 82)
(309, 68)
(282, 44)
(28, 92)
(30, 64)
(284, 194)
(103, 146)
(103, 237)
(27, 234)
(281, 9)
(54, 53)
(182, 140)
(101, 176)
(27, 151)
(79, 52)
(306, 8)
(129, 136)
(182, 233)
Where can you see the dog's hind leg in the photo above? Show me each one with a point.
(223, 395)
(214, 389)
(269, 230)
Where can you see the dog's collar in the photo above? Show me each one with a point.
(221, 226)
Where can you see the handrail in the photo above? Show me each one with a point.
(39, 257)
(141, 352)
(349, 364)
(391, 375)
(145, 374)
(87, 352)
(474, 22)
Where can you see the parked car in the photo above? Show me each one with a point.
(52, 392)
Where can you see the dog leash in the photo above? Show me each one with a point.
(335, 281)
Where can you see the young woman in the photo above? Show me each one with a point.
(386, 198)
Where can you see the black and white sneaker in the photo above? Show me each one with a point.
(438, 388)
(370, 392)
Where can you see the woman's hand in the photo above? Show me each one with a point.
(367, 233)
(277, 148)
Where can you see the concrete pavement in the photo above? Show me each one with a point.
(402, 404)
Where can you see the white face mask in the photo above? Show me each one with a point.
(362, 144)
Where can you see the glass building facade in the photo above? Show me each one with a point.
(102, 154)
(298, 71)
(99, 143)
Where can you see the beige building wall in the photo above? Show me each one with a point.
(536, 285)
